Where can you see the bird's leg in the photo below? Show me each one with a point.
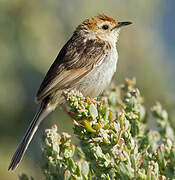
(75, 123)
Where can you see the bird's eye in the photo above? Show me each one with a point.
(105, 27)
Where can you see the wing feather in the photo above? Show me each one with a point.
(75, 60)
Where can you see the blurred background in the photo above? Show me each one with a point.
(33, 32)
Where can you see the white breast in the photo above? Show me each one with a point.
(97, 80)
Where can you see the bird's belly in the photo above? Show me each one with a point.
(97, 80)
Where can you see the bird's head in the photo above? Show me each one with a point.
(102, 27)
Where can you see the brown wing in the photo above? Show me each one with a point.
(75, 60)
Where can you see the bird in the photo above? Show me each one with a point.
(87, 62)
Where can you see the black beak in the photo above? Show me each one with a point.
(120, 24)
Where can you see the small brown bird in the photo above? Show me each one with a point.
(87, 63)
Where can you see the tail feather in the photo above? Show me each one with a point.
(22, 147)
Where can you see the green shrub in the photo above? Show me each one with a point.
(115, 142)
